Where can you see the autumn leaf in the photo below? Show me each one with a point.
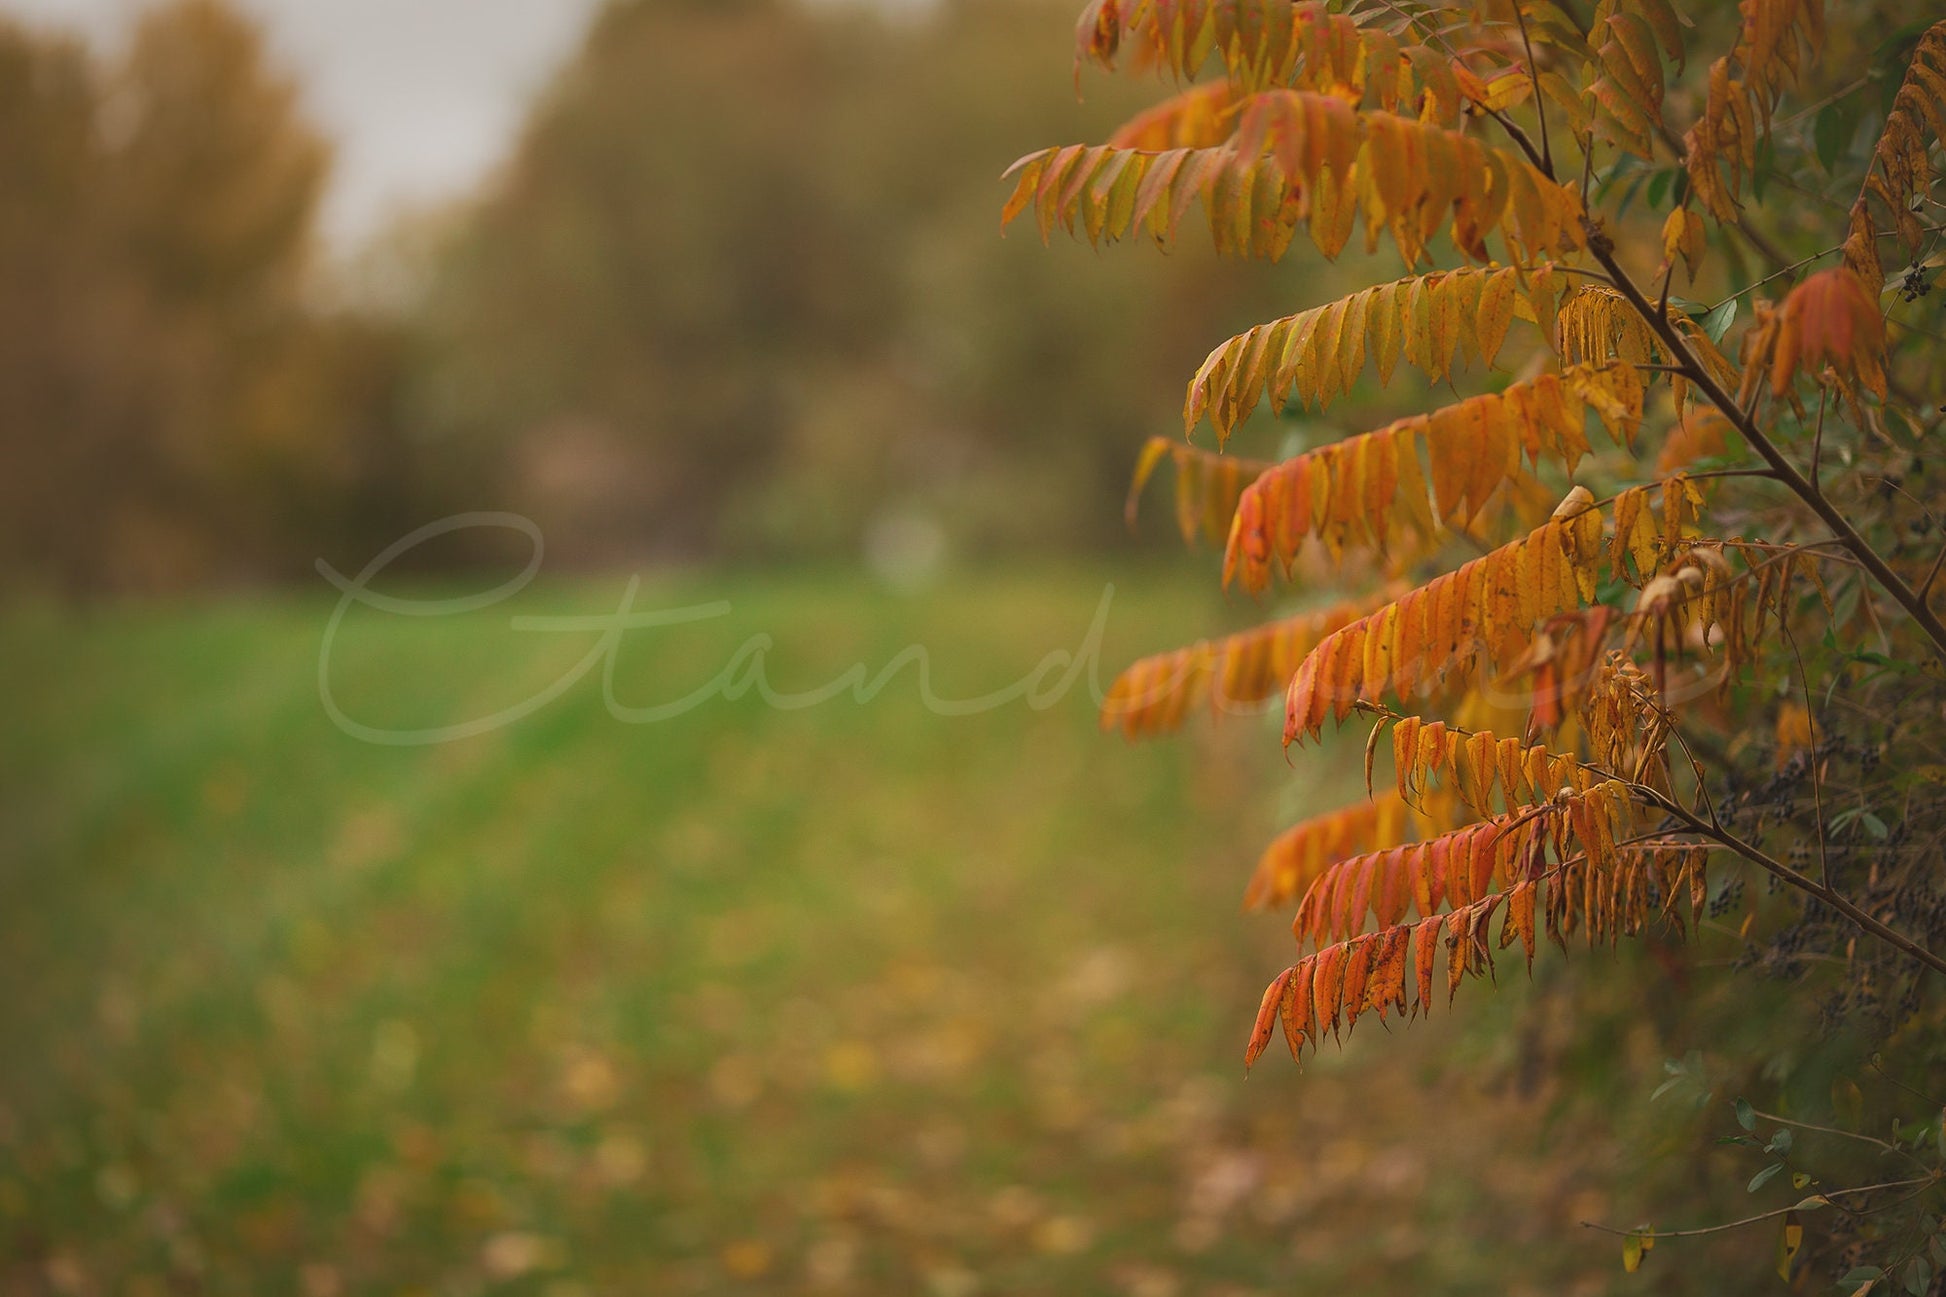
(1831, 318)
(1197, 118)
(1231, 675)
(1743, 87)
(1207, 486)
(1315, 355)
(1374, 492)
(1305, 157)
(1267, 1017)
(1300, 855)
(1901, 165)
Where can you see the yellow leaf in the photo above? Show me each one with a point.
(1443, 326)
(1384, 327)
(1496, 312)
(1378, 653)
(1788, 1245)
(1482, 754)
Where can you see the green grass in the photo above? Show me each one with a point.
(851, 998)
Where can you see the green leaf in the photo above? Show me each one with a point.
(1766, 164)
(1765, 1176)
(1917, 1276)
(1779, 1143)
(1658, 186)
(1874, 825)
(1746, 1115)
(1717, 322)
(1831, 132)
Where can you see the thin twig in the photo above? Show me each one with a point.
(1770, 251)
(1889, 1079)
(1734, 472)
(1825, 102)
(1581, 270)
(1833, 1130)
(1801, 263)
(1534, 75)
(1925, 587)
(1810, 719)
(1927, 1180)
(1778, 274)
(1817, 441)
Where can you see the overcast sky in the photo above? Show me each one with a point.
(422, 96)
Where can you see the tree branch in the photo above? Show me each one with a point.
(1804, 883)
(1603, 252)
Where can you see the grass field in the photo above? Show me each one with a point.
(848, 998)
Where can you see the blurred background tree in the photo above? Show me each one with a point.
(175, 409)
(722, 301)
(778, 319)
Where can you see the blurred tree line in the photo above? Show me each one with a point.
(172, 408)
(739, 292)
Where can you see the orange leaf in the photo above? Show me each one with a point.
(1358, 967)
(1386, 985)
(1459, 952)
(1296, 1009)
(1266, 1017)
(1520, 918)
(1327, 985)
(1425, 949)
(1831, 318)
